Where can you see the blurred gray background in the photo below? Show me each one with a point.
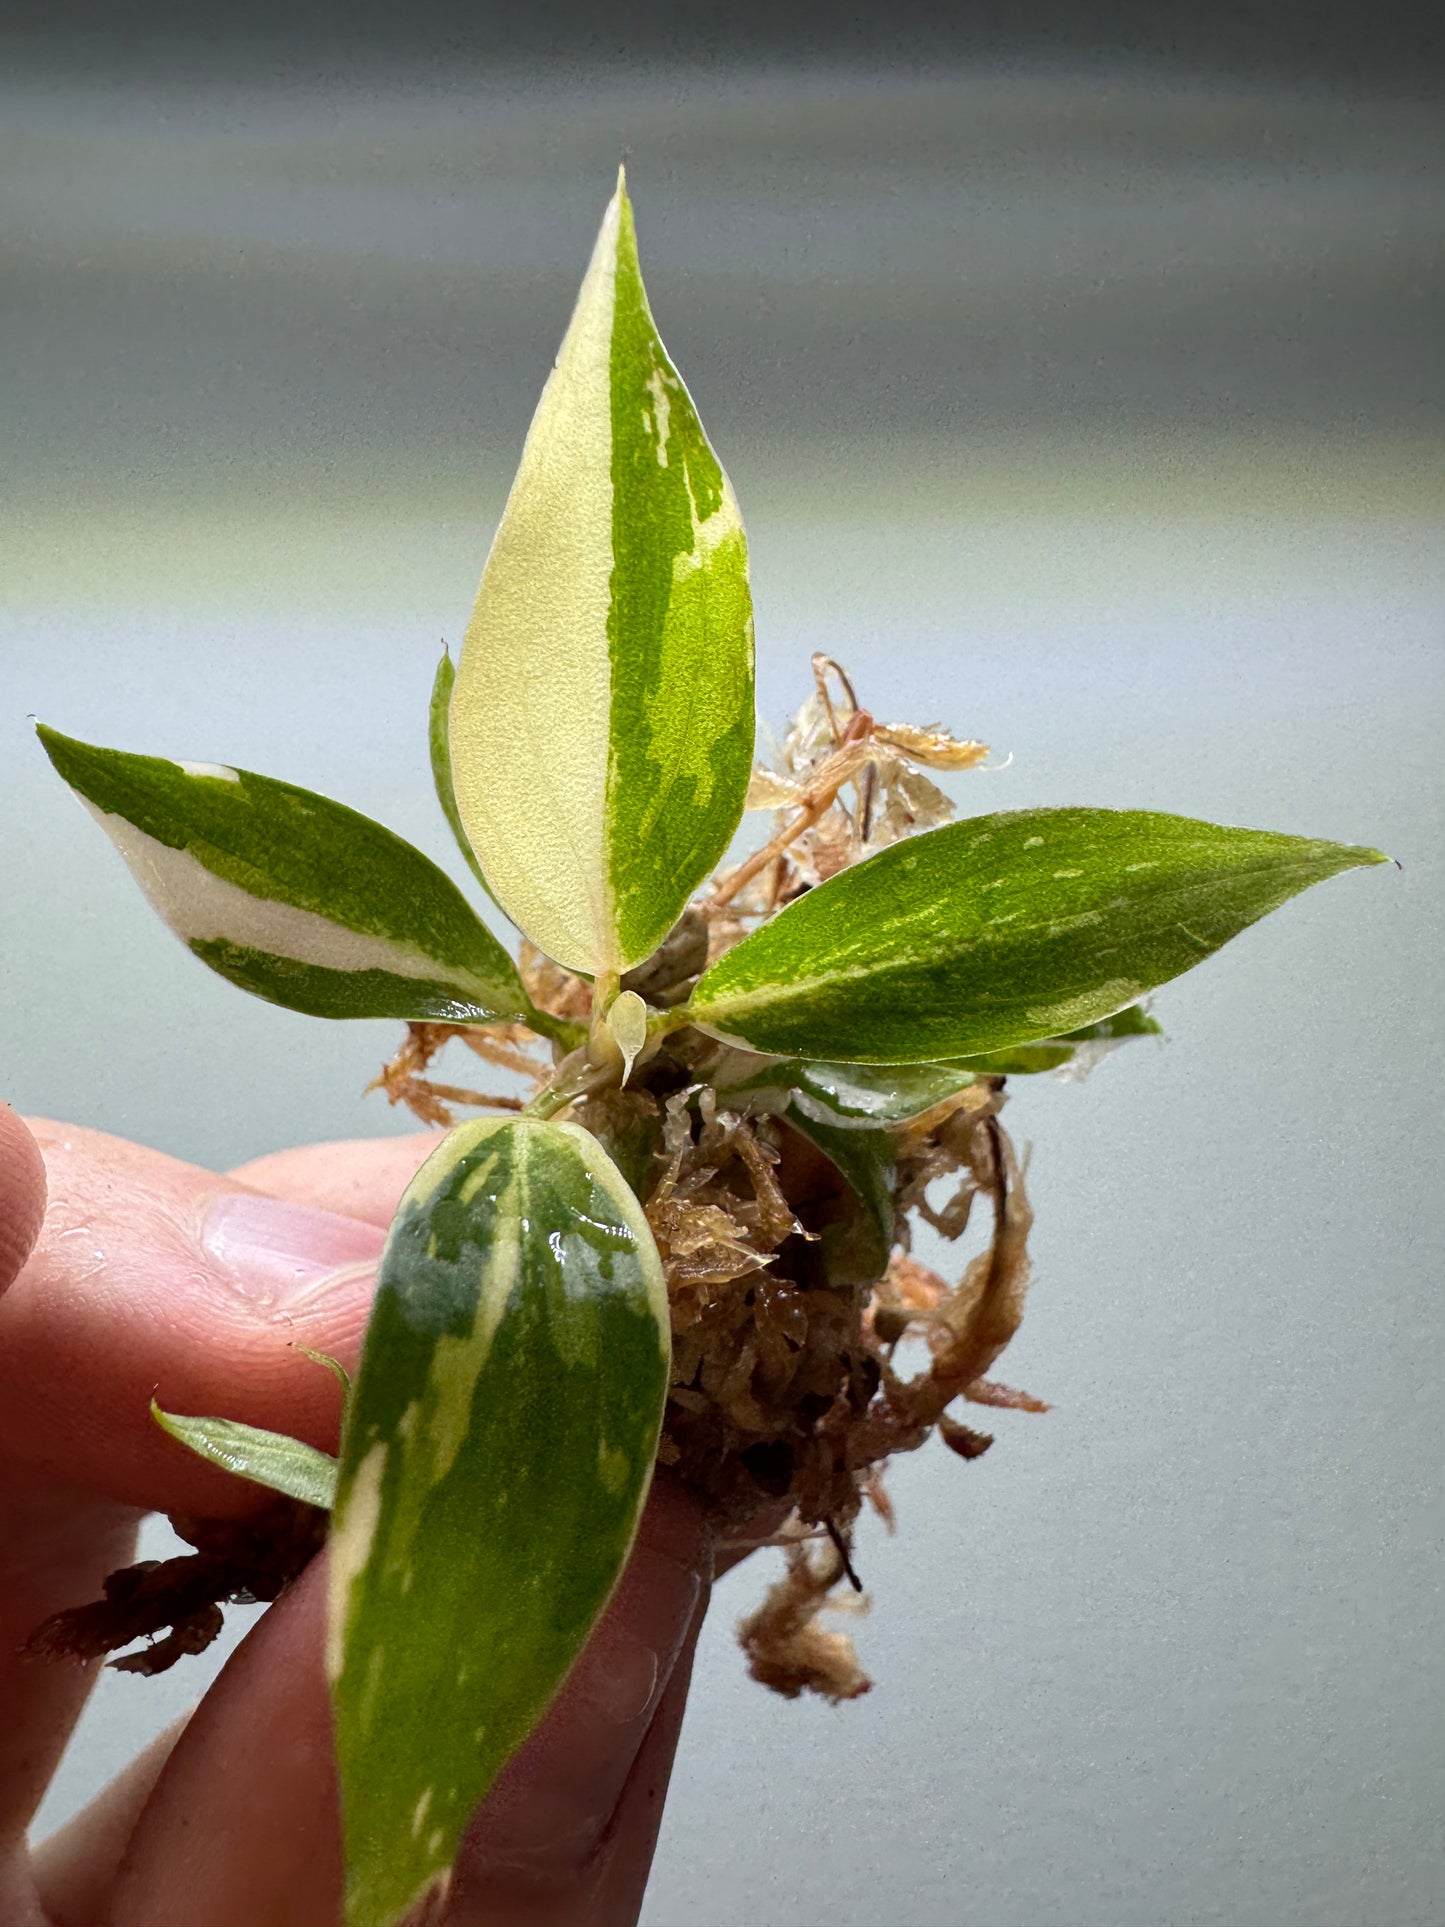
(1080, 379)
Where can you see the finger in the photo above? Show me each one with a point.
(22, 1194)
(602, 1887)
(148, 1275)
(625, 1863)
(538, 1850)
(151, 1276)
(360, 1179)
(19, 1905)
(74, 1869)
(241, 1829)
(57, 1543)
(738, 1542)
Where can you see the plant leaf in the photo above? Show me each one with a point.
(1000, 930)
(862, 1096)
(627, 1026)
(265, 1458)
(602, 719)
(296, 899)
(855, 1251)
(498, 1450)
(1058, 1053)
(439, 742)
(852, 1096)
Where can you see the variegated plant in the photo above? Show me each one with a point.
(742, 1094)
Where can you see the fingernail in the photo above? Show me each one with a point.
(548, 1822)
(275, 1253)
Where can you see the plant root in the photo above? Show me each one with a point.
(839, 1463)
(235, 1562)
(403, 1077)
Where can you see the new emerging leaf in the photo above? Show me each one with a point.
(498, 1449)
(292, 897)
(271, 1459)
(602, 719)
(999, 930)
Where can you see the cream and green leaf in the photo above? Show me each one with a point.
(497, 1453)
(290, 896)
(1000, 930)
(844, 1096)
(602, 718)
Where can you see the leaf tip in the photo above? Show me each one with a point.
(1361, 856)
(51, 740)
(333, 1365)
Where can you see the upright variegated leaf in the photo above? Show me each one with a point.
(498, 1450)
(296, 899)
(602, 720)
(999, 930)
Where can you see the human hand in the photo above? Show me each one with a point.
(152, 1275)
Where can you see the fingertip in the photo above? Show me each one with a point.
(22, 1194)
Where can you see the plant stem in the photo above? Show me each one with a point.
(574, 1077)
(565, 1031)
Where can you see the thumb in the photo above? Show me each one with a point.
(22, 1194)
(567, 1836)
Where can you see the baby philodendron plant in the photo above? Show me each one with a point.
(687, 1243)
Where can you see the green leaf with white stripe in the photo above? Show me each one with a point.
(265, 1458)
(1000, 930)
(498, 1450)
(602, 719)
(295, 898)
